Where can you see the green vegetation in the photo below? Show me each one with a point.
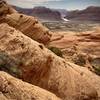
(9, 64)
(56, 50)
(97, 71)
(96, 65)
(79, 60)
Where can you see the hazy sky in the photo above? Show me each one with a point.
(64, 4)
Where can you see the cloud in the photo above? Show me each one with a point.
(30, 3)
(33, 1)
(40, 1)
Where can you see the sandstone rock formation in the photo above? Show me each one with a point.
(5, 8)
(30, 26)
(41, 67)
(15, 89)
(91, 77)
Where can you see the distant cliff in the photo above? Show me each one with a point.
(41, 13)
(91, 13)
(23, 10)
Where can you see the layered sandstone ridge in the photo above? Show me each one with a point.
(15, 89)
(28, 25)
(41, 67)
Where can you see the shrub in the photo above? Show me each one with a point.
(96, 65)
(56, 50)
(79, 60)
(9, 64)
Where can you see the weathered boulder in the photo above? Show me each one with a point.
(41, 67)
(15, 89)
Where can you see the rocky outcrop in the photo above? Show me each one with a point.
(90, 14)
(5, 8)
(41, 67)
(15, 89)
(30, 26)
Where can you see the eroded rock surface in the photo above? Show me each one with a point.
(41, 67)
(15, 89)
(90, 76)
(30, 26)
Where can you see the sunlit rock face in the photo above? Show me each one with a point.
(15, 89)
(30, 26)
(41, 67)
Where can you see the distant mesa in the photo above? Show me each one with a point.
(91, 13)
(42, 13)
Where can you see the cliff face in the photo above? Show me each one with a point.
(41, 67)
(23, 10)
(42, 13)
(46, 14)
(90, 14)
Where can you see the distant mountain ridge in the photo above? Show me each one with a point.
(27, 11)
(63, 12)
(41, 13)
(46, 13)
(91, 13)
